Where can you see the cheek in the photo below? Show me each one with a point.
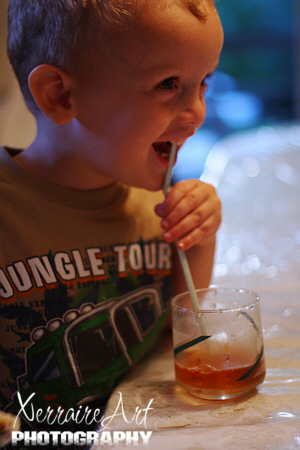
(142, 122)
(98, 110)
(118, 116)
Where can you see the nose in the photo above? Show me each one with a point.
(193, 111)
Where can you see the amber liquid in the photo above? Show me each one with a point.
(214, 373)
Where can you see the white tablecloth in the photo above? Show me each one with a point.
(257, 175)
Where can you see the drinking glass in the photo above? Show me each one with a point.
(218, 347)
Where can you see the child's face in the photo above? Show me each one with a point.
(148, 89)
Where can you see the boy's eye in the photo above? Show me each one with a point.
(168, 83)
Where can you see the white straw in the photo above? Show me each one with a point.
(167, 180)
(182, 256)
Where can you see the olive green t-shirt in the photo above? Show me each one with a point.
(84, 286)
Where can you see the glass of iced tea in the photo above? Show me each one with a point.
(218, 347)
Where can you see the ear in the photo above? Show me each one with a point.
(51, 88)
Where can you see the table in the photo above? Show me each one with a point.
(257, 175)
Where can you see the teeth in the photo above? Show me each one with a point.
(163, 148)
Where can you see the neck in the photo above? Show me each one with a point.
(63, 161)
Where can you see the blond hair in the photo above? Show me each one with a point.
(60, 32)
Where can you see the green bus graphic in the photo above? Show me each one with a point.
(78, 359)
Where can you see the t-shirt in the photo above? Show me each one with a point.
(84, 287)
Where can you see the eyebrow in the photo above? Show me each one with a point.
(157, 69)
(161, 70)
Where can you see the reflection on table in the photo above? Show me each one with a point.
(257, 175)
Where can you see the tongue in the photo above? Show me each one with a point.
(162, 148)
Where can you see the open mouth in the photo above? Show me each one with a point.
(163, 148)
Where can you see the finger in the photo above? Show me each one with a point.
(196, 213)
(197, 235)
(188, 205)
(188, 190)
(186, 224)
(200, 218)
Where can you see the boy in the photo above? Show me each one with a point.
(85, 263)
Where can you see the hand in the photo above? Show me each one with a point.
(191, 213)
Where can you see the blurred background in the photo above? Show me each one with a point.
(17, 126)
(256, 83)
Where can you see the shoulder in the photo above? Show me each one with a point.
(6, 161)
(9, 169)
(6, 156)
(9, 152)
